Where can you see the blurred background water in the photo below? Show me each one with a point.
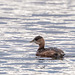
(21, 21)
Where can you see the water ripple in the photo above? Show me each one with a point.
(21, 21)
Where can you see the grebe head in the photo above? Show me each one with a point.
(39, 40)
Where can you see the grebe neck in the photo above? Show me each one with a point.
(41, 46)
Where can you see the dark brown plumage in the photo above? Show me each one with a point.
(52, 52)
(37, 38)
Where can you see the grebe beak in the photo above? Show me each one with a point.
(31, 41)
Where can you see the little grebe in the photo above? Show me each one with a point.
(52, 52)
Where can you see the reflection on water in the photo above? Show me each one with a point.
(21, 21)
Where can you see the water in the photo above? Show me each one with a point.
(21, 21)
